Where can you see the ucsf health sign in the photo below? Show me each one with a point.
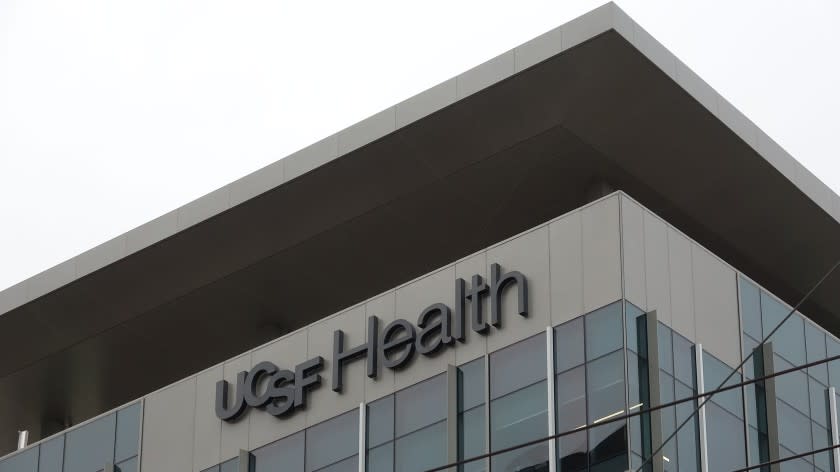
(280, 392)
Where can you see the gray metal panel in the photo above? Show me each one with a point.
(311, 157)
(100, 256)
(425, 103)
(367, 130)
(286, 353)
(633, 253)
(601, 253)
(485, 75)
(588, 25)
(527, 253)
(476, 344)
(168, 425)
(152, 232)
(320, 336)
(234, 435)
(208, 428)
(203, 208)
(383, 307)
(716, 306)
(566, 251)
(682, 284)
(257, 183)
(411, 299)
(657, 273)
(538, 49)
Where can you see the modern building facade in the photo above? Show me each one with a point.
(556, 241)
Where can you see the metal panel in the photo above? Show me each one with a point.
(701, 414)
(552, 420)
(835, 434)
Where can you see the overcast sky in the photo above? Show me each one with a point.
(115, 112)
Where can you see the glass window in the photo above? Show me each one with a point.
(26, 461)
(380, 421)
(821, 437)
(471, 384)
(669, 422)
(725, 435)
(632, 312)
(750, 308)
(715, 372)
(421, 450)
(229, 466)
(287, 454)
(332, 441)
(791, 387)
(517, 366)
(471, 418)
(128, 432)
(793, 465)
(420, 405)
(815, 351)
(795, 428)
(571, 414)
(819, 402)
(683, 360)
(350, 464)
(471, 431)
(568, 345)
(52, 455)
(516, 418)
(89, 447)
(789, 340)
(604, 333)
(129, 465)
(666, 359)
(380, 458)
(605, 392)
(688, 437)
(833, 349)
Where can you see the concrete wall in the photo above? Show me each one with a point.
(573, 265)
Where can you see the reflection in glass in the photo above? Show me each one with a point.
(604, 331)
(286, 454)
(332, 441)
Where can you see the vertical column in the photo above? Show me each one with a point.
(653, 394)
(362, 437)
(244, 461)
(109, 467)
(835, 434)
(765, 401)
(701, 414)
(488, 424)
(451, 414)
(552, 417)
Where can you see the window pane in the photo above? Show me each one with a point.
(471, 430)
(683, 360)
(789, 340)
(128, 432)
(821, 438)
(380, 459)
(815, 351)
(604, 332)
(793, 465)
(231, 465)
(794, 428)
(332, 441)
(750, 308)
(52, 455)
(517, 366)
(568, 345)
(286, 454)
(26, 461)
(420, 405)
(666, 359)
(833, 348)
(421, 450)
(91, 446)
(605, 389)
(347, 465)
(792, 387)
(632, 312)
(129, 465)
(715, 372)
(471, 384)
(688, 437)
(725, 435)
(516, 418)
(571, 399)
(380, 421)
(819, 402)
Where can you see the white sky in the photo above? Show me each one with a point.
(115, 112)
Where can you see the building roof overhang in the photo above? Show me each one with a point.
(505, 146)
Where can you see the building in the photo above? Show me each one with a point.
(574, 231)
